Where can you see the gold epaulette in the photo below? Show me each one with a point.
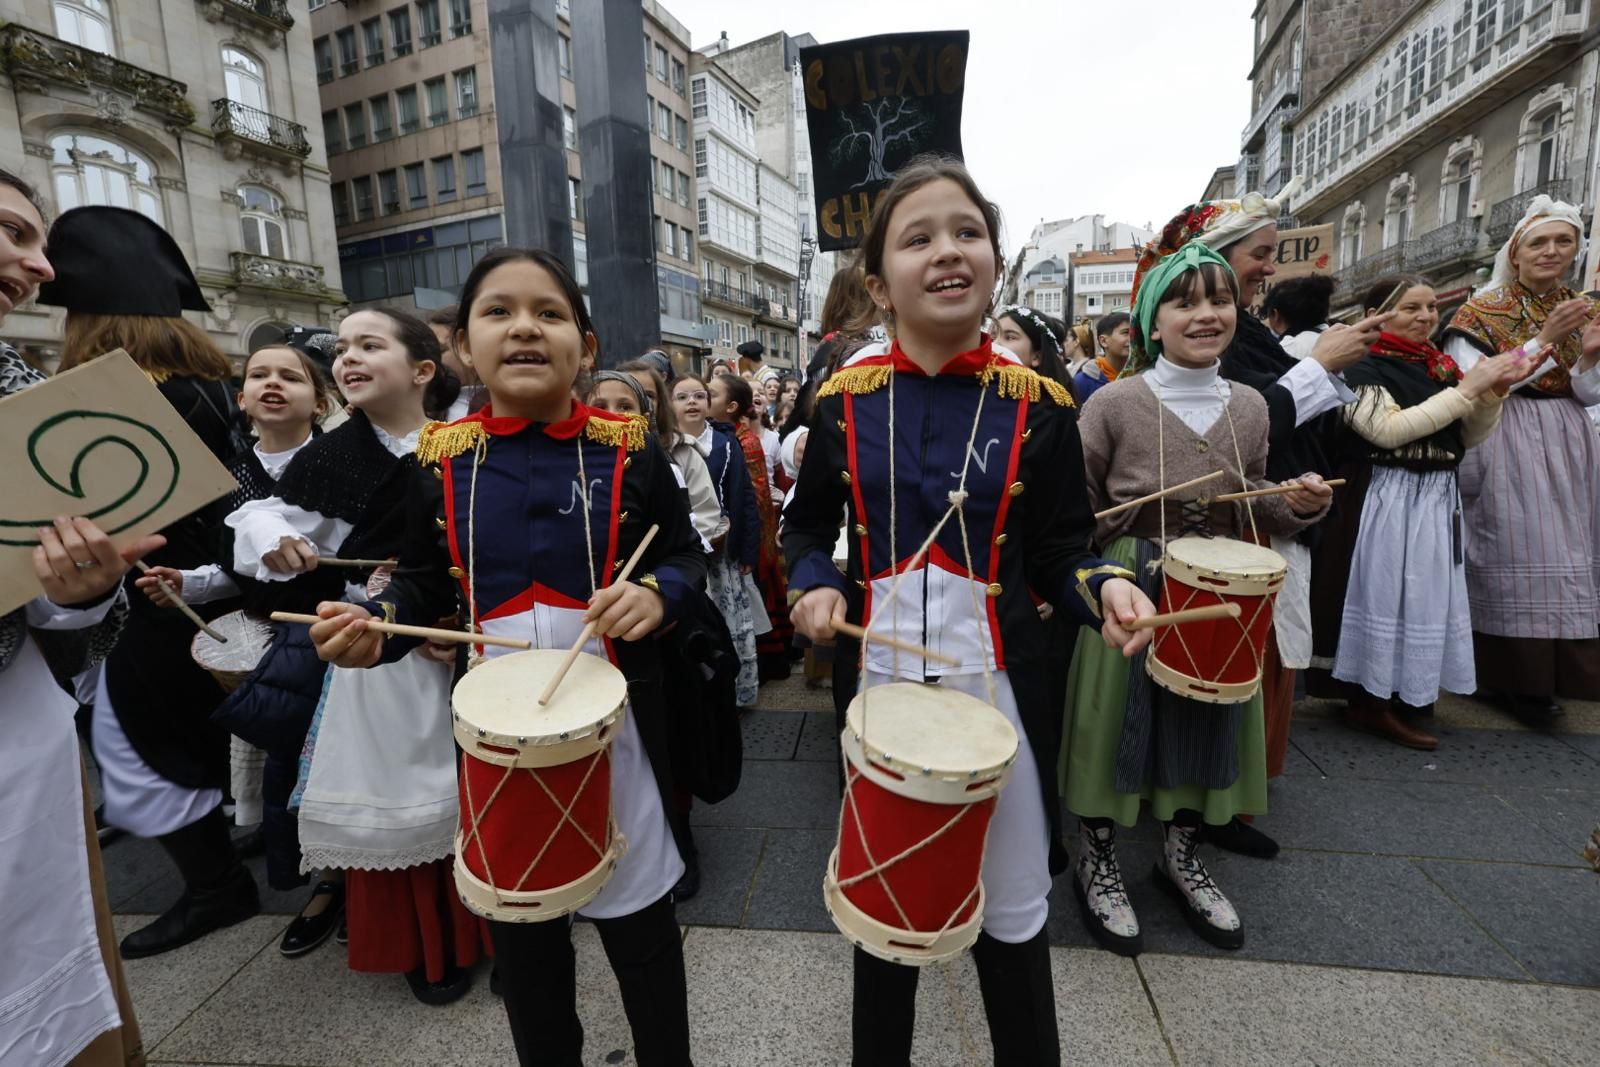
(1017, 382)
(857, 380)
(628, 434)
(442, 440)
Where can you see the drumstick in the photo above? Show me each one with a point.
(1173, 618)
(1157, 495)
(334, 561)
(588, 631)
(1276, 490)
(177, 602)
(427, 633)
(850, 629)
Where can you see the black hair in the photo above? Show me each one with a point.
(1108, 324)
(421, 345)
(1043, 339)
(739, 392)
(1213, 277)
(1303, 302)
(549, 261)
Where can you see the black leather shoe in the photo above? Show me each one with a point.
(250, 843)
(196, 914)
(437, 994)
(309, 931)
(1236, 835)
(689, 884)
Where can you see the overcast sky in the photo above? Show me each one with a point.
(1073, 107)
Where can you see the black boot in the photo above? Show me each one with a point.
(218, 890)
(883, 1012)
(689, 884)
(539, 984)
(646, 954)
(1019, 997)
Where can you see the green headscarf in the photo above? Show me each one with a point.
(1154, 286)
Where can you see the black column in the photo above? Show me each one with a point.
(527, 109)
(614, 141)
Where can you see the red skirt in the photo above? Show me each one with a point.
(402, 920)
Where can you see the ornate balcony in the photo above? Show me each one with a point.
(1504, 215)
(1453, 243)
(1285, 93)
(241, 129)
(282, 275)
(37, 60)
(1363, 272)
(269, 19)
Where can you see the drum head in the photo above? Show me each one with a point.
(930, 728)
(1226, 556)
(249, 637)
(501, 695)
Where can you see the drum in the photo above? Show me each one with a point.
(1217, 661)
(924, 766)
(249, 636)
(537, 840)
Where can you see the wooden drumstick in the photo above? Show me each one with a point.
(1277, 490)
(1173, 618)
(177, 602)
(427, 633)
(850, 629)
(1157, 495)
(588, 631)
(364, 564)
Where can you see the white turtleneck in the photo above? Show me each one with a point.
(1197, 396)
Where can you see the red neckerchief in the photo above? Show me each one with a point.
(1439, 365)
(969, 364)
(564, 430)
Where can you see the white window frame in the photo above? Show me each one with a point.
(261, 220)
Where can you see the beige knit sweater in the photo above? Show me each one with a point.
(1122, 451)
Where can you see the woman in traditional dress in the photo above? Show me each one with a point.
(1532, 491)
(1390, 602)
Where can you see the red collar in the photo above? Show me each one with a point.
(968, 364)
(565, 430)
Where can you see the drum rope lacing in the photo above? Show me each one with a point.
(958, 498)
(566, 819)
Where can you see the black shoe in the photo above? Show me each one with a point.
(689, 884)
(196, 914)
(437, 994)
(1236, 835)
(309, 931)
(494, 982)
(250, 843)
(1534, 712)
(343, 936)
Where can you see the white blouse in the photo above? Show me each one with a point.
(1197, 396)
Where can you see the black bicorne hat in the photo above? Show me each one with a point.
(112, 261)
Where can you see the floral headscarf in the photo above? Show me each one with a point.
(1217, 223)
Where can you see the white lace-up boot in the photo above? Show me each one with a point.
(1181, 873)
(1102, 898)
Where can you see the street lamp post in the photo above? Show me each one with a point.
(808, 252)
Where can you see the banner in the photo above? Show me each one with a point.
(872, 104)
(1308, 250)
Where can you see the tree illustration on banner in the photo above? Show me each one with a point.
(884, 123)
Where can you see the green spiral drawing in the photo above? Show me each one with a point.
(25, 531)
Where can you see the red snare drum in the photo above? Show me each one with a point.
(1217, 661)
(924, 766)
(537, 840)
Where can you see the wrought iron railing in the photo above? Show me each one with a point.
(1281, 94)
(1504, 215)
(1449, 243)
(35, 59)
(1365, 271)
(229, 118)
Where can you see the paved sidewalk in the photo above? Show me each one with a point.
(1428, 908)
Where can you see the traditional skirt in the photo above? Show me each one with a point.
(1205, 749)
(731, 594)
(411, 919)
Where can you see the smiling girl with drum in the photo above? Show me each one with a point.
(522, 513)
(1168, 418)
(942, 440)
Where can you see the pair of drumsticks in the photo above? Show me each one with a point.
(1225, 498)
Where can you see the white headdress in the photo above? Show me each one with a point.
(1242, 217)
(1542, 209)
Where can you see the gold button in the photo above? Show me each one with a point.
(994, 590)
(437, 473)
(457, 572)
(844, 476)
(861, 583)
(623, 517)
(1203, 446)
(1001, 539)
(841, 425)
(617, 566)
(861, 531)
(627, 463)
(1016, 489)
(441, 523)
(1027, 433)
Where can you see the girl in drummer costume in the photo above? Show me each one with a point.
(736, 538)
(380, 800)
(985, 456)
(1168, 418)
(499, 522)
(1532, 491)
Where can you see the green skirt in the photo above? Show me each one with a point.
(1097, 693)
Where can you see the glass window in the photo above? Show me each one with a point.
(244, 79)
(372, 39)
(261, 222)
(416, 186)
(569, 127)
(683, 189)
(669, 181)
(382, 119)
(664, 122)
(686, 245)
(406, 98)
(467, 92)
(438, 110)
(575, 199)
(682, 125)
(427, 23)
(400, 31)
(85, 23)
(365, 208)
(323, 48)
(332, 131)
(697, 97)
(444, 179)
(477, 177)
(348, 63)
(679, 72)
(460, 18)
(1545, 170)
(661, 63)
(564, 54)
(355, 124)
(389, 191)
(341, 203)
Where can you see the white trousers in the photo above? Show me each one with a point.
(137, 799)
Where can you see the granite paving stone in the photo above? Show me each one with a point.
(770, 735)
(157, 895)
(1545, 917)
(776, 793)
(1588, 744)
(788, 883)
(728, 858)
(167, 988)
(819, 739)
(1483, 757)
(1568, 816)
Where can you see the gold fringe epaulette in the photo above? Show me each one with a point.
(442, 440)
(629, 434)
(857, 380)
(1016, 382)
